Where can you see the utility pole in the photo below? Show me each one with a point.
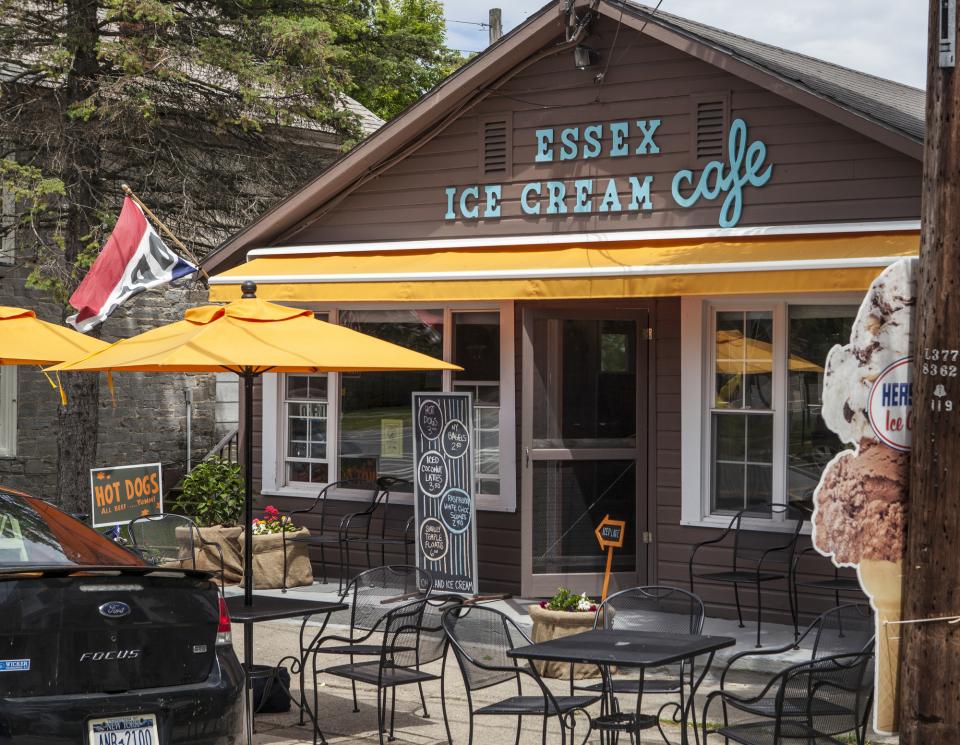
(496, 24)
(930, 687)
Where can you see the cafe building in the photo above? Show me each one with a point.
(639, 236)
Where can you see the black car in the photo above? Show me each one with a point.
(97, 647)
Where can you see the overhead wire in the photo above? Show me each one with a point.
(601, 77)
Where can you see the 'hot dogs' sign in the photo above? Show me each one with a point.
(119, 494)
(446, 535)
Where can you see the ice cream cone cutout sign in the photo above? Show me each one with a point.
(609, 535)
(860, 503)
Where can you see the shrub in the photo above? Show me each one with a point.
(213, 493)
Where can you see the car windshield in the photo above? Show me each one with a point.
(35, 533)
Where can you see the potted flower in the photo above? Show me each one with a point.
(212, 496)
(565, 614)
(274, 534)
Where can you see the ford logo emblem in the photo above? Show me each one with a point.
(114, 609)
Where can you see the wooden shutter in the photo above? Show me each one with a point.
(496, 141)
(711, 124)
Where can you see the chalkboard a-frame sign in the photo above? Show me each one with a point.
(444, 506)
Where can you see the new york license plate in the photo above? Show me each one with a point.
(129, 730)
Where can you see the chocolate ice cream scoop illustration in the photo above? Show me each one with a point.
(859, 505)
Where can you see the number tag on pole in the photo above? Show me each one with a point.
(947, 24)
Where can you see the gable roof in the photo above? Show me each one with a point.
(889, 112)
(898, 106)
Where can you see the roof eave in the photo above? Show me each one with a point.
(792, 90)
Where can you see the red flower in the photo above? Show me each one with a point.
(593, 609)
(270, 511)
(543, 603)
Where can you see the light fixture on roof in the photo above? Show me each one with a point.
(584, 57)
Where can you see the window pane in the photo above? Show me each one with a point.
(585, 381)
(476, 348)
(743, 360)
(742, 460)
(306, 430)
(813, 331)
(569, 499)
(373, 404)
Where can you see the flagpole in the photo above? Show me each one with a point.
(190, 255)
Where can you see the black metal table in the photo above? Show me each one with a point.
(633, 649)
(272, 608)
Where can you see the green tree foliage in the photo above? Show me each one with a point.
(403, 55)
(211, 109)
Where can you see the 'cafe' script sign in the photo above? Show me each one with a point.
(745, 166)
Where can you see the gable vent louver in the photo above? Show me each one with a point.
(495, 136)
(711, 129)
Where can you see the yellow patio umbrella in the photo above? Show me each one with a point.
(26, 340)
(737, 354)
(250, 337)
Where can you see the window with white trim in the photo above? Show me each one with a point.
(8, 221)
(8, 411)
(305, 419)
(343, 426)
(752, 432)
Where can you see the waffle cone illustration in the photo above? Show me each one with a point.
(882, 581)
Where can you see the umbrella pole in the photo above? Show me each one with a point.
(248, 487)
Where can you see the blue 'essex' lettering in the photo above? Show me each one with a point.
(745, 167)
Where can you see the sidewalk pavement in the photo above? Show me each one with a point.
(340, 724)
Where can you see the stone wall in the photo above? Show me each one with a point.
(148, 423)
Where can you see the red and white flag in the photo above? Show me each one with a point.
(134, 260)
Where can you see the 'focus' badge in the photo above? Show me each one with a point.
(114, 609)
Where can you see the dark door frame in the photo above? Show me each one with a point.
(643, 312)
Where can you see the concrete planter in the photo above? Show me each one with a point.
(268, 560)
(554, 624)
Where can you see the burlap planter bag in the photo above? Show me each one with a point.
(207, 558)
(268, 560)
(554, 624)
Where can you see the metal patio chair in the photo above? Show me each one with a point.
(650, 608)
(325, 534)
(812, 702)
(166, 539)
(844, 630)
(372, 594)
(393, 523)
(480, 638)
(749, 565)
(836, 585)
(398, 660)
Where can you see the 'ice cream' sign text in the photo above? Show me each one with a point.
(745, 166)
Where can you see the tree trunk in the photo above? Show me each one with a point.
(77, 434)
(930, 693)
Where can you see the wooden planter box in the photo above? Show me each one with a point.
(268, 560)
(554, 624)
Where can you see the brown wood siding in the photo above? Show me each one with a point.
(823, 172)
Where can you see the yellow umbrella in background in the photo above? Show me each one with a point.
(250, 337)
(26, 340)
(737, 354)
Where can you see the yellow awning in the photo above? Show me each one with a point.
(819, 263)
